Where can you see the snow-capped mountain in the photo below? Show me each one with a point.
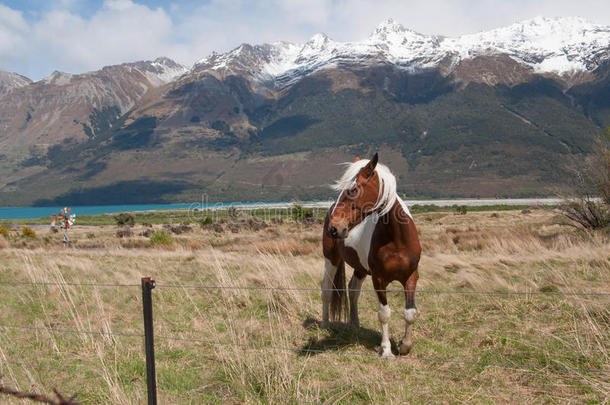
(510, 104)
(546, 45)
(10, 81)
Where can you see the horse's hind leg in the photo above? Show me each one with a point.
(384, 318)
(410, 313)
(354, 287)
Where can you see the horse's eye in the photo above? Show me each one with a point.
(352, 192)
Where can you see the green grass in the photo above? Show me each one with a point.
(180, 216)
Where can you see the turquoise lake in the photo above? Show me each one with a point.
(40, 212)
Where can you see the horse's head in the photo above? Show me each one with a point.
(359, 193)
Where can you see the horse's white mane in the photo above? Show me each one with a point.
(387, 184)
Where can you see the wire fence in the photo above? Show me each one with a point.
(303, 350)
(261, 288)
(335, 351)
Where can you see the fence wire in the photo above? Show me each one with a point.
(51, 283)
(253, 346)
(458, 292)
(303, 350)
(261, 288)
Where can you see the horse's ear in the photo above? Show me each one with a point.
(373, 161)
(369, 169)
(357, 158)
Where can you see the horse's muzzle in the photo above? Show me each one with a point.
(335, 233)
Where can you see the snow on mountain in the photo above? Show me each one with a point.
(555, 45)
(10, 81)
(558, 45)
(158, 72)
(163, 70)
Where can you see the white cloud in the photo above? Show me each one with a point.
(125, 30)
(13, 33)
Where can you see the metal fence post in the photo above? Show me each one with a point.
(149, 340)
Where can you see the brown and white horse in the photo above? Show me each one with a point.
(370, 228)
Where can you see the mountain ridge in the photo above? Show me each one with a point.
(475, 115)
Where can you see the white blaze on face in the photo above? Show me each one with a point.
(360, 237)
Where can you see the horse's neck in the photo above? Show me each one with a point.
(398, 223)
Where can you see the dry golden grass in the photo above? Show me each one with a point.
(511, 252)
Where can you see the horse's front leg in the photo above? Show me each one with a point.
(410, 313)
(354, 287)
(327, 284)
(384, 318)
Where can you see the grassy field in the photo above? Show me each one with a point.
(485, 251)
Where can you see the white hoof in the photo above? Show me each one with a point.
(387, 355)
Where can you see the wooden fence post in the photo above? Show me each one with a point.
(149, 340)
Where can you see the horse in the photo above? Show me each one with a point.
(370, 228)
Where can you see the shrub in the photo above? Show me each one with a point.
(598, 167)
(28, 232)
(460, 209)
(178, 229)
(125, 218)
(585, 211)
(205, 222)
(300, 214)
(124, 232)
(160, 238)
(588, 214)
(147, 233)
(4, 231)
(232, 212)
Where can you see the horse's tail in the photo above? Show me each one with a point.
(338, 302)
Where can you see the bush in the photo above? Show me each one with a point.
(178, 229)
(28, 232)
(598, 168)
(125, 218)
(124, 232)
(588, 214)
(300, 214)
(160, 238)
(460, 209)
(232, 212)
(205, 222)
(147, 233)
(4, 231)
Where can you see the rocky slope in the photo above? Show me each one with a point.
(494, 113)
(10, 81)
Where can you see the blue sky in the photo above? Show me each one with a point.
(38, 37)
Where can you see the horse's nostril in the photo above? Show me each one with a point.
(333, 231)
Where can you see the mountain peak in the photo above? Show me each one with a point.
(318, 40)
(558, 44)
(389, 25)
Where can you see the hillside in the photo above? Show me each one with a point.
(498, 113)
